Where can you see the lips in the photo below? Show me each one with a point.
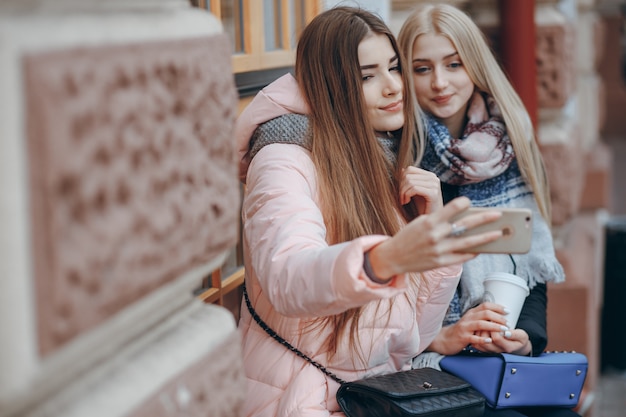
(393, 106)
(442, 99)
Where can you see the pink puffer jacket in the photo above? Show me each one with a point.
(292, 275)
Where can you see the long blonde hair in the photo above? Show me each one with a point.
(359, 188)
(487, 75)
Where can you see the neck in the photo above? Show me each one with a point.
(386, 134)
(456, 123)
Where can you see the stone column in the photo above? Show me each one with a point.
(118, 186)
(578, 164)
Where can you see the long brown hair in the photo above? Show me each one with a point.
(359, 189)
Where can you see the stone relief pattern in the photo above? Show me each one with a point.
(132, 171)
(214, 387)
(555, 65)
(565, 170)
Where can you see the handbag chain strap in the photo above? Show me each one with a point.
(285, 343)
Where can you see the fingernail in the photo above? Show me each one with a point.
(507, 334)
(487, 340)
(506, 310)
(504, 328)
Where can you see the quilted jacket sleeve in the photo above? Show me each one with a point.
(434, 296)
(285, 235)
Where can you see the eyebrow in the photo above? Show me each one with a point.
(365, 67)
(445, 57)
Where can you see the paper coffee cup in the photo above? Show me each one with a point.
(509, 291)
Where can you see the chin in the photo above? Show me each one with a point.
(444, 114)
(390, 127)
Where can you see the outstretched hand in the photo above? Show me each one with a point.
(425, 243)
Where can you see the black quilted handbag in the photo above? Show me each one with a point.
(424, 392)
(418, 392)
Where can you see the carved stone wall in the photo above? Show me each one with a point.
(119, 195)
(193, 392)
(181, 369)
(555, 64)
(130, 165)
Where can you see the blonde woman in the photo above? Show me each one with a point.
(480, 143)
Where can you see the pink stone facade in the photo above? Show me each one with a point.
(132, 174)
(125, 160)
(565, 166)
(574, 307)
(555, 65)
(211, 387)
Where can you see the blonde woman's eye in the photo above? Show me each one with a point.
(456, 65)
(420, 70)
(395, 68)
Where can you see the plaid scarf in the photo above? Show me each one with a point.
(482, 166)
(483, 152)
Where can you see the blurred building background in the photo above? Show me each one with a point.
(120, 265)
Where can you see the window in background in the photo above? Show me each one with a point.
(272, 19)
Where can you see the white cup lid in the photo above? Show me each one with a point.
(513, 279)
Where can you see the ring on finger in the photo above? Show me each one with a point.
(457, 230)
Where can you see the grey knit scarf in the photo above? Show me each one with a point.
(289, 129)
(294, 129)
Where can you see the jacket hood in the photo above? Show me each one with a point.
(276, 99)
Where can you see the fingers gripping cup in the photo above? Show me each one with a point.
(509, 291)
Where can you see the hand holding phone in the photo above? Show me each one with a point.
(515, 224)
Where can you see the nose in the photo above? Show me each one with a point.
(439, 81)
(393, 86)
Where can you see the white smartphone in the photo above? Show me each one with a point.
(516, 225)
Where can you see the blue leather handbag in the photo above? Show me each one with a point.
(552, 379)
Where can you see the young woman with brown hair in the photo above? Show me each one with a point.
(336, 262)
